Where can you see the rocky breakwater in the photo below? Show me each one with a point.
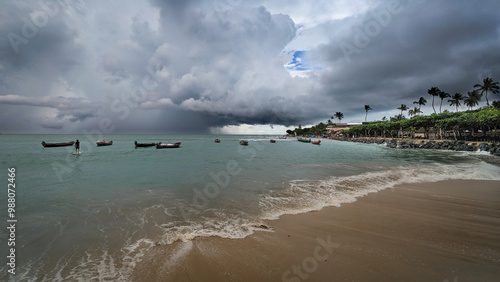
(492, 148)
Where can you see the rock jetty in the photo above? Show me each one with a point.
(492, 148)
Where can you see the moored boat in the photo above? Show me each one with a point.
(303, 139)
(103, 143)
(169, 145)
(137, 145)
(62, 144)
(316, 142)
(273, 141)
(217, 140)
(244, 142)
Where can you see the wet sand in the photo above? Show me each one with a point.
(443, 231)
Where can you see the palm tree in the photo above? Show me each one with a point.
(420, 102)
(488, 85)
(403, 107)
(367, 108)
(442, 95)
(384, 118)
(455, 100)
(339, 116)
(434, 91)
(473, 99)
(413, 112)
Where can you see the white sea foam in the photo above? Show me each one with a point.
(301, 196)
(229, 227)
(294, 197)
(304, 196)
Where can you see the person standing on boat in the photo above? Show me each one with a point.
(77, 146)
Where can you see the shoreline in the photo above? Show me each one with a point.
(437, 231)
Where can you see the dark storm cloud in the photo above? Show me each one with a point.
(74, 109)
(447, 44)
(193, 65)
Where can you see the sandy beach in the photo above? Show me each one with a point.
(443, 231)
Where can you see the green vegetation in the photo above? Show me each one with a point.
(468, 125)
(319, 129)
(481, 124)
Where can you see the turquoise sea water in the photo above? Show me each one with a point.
(94, 215)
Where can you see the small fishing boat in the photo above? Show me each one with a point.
(103, 143)
(169, 145)
(244, 142)
(303, 139)
(273, 141)
(282, 137)
(217, 140)
(137, 145)
(316, 142)
(62, 144)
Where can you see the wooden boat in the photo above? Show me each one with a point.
(273, 141)
(303, 139)
(244, 142)
(63, 144)
(169, 145)
(137, 145)
(104, 143)
(217, 140)
(316, 142)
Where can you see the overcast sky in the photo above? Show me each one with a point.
(234, 66)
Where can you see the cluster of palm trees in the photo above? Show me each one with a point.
(338, 115)
(471, 100)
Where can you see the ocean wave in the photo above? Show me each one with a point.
(116, 261)
(301, 196)
(229, 227)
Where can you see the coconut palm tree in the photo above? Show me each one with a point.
(339, 116)
(488, 85)
(473, 99)
(420, 102)
(403, 107)
(413, 112)
(455, 100)
(442, 95)
(434, 91)
(367, 108)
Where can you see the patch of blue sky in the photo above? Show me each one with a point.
(300, 62)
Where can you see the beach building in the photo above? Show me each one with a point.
(333, 129)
